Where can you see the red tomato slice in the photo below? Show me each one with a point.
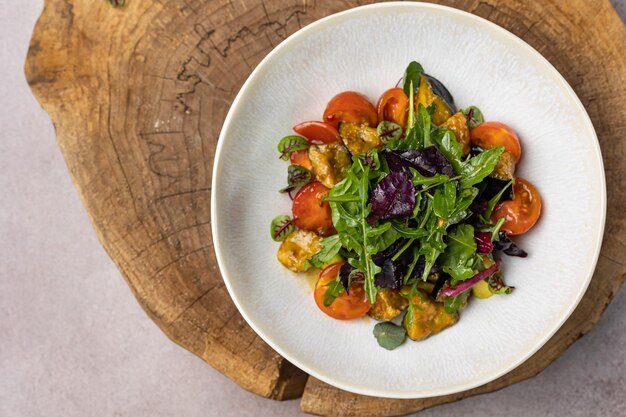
(301, 158)
(344, 307)
(522, 212)
(392, 106)
(309, 210)
(350, 107)
(488, 135)
(318, 132)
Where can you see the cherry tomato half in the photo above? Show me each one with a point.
(344, 307)
(301, 158)
(488, 135)
(309, 210)
(522, 212)
(350, 107)
(318, 132)
(392, 106)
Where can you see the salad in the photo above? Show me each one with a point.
(406, 207)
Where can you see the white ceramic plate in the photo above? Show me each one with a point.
(367, 49)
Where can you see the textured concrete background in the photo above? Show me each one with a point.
(74, 342)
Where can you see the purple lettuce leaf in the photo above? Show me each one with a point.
(479, 205)
(349, 275)
(506, 245)
(428, 161)
(392, 274)
(393, 197)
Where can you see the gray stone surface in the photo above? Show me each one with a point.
(74, 342)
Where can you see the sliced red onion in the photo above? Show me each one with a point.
(469, 283)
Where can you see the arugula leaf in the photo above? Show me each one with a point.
(458, 258)
(431, 248)
(464, 200)
(297, 176)
(330, 247)
(386, 239)
(486, 215)
(333, 290)
(453, 304)
(477, 168)
(379, 230)
(457, 218)
(419, 179)
(290, 144)
(367, 264)
(350, 218)
(342, 199)
(408, 232)
(444, 200)
(449, 147)
(281, 227)
(423, 125)
(412, 75)
(389, 335)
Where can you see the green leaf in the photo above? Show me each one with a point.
(384, 240)
(333, 290)
(453, 304)
(494, 200)
(330, 247)
(405, 231)
(281, 227)
(297, 176)
(350, 211)
(473, 115)
(477, 168)
(389, 335)
(458, 218)
(419, 179)
(449, 147)
(496, 228)
(423, 125)
(497, 285)
(412, 75)
(343, 199)
(388, 131)
(379, 230)
(444, 200)
(369, 286)
(459, 255)
(290, 144)
(464, 200)
(417, 134)
(431, 249)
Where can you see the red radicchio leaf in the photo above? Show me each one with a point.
(428, 161)
(394, 196)
(469, 283)
(483, 242)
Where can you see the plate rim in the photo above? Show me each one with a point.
(502, 33)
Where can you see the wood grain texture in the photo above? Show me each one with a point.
(138, 96)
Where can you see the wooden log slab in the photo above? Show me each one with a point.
(138, 95)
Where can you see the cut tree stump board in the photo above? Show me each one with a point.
(138, 95)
